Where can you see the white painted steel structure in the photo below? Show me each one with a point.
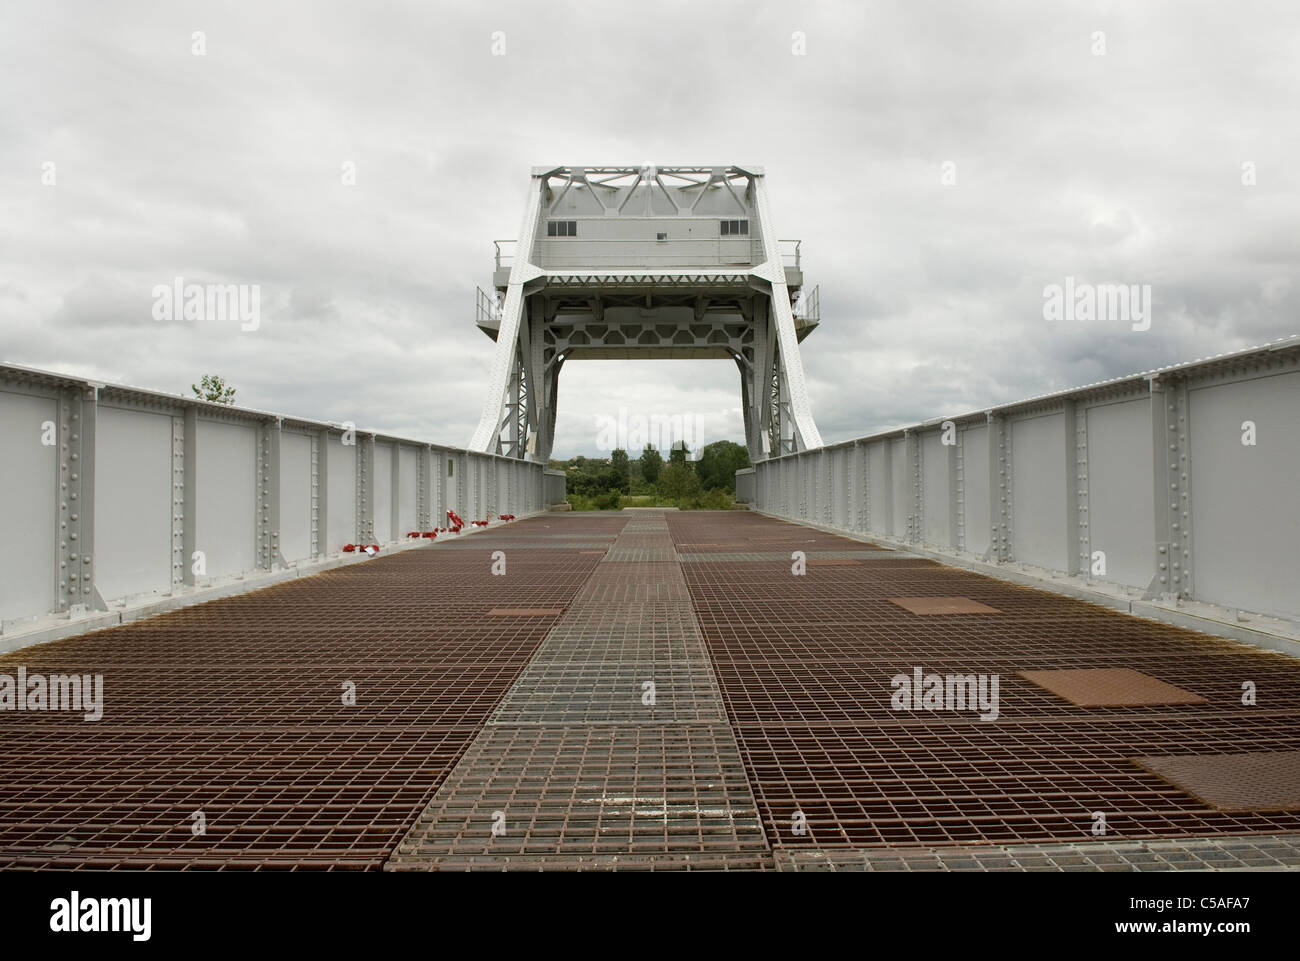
(646, 261)
(109, 492)
(1152, 475)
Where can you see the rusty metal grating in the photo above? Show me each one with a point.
(232, 708)
(804, 665)
(1257, 781)
(942, 605)
(525, 612)
(1111, 687)
(758, 557)
(772, 699)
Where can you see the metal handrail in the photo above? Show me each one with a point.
(808, 307)
(487, 309)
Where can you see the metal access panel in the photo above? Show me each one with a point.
(27, 485)
(1119, 475)
(295, 496)
(408, 489)
(1038, 491)
(226, 525)
(133, 502)
(383, 493)
(901, 481)
(1245, 526)
(975, 496)
(340, 493)
(935, 487)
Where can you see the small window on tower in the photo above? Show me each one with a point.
(561, 228)
(735, 228)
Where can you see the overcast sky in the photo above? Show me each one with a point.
(1125, 167)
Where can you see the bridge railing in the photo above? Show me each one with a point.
(1179, 485)
(505, 253)
(110, 492)
(808, 307)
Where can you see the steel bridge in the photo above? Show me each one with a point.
(1059, 634)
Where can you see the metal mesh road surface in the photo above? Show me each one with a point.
(611, 750)
(229, 716)
(654, 690)
(806, 664)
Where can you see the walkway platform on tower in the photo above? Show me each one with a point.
(655, 691)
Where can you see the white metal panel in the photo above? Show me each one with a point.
(1119, 517)
(133, 502)
(383, 493)
(934, 480)
(1038, 493)
(439, 484)
(901, 485)
(879, 515)
(225, 526)
(843, 486)
(975, 489)
(295, 496)
(1245, 522)
(341, 493)
(27, 484)
(408, 488)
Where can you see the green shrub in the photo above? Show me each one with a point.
(609, 501)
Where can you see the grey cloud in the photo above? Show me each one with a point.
(226, 169)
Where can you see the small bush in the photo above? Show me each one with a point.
(609, 501)
(716, 499)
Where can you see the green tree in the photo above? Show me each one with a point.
(213, 388)
(679, 453)
(678, 481)
(652, 462)
(718, 464)
(622, 468)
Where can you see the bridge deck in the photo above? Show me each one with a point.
(504, 721)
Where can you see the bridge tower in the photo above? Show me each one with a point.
(649, 261)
